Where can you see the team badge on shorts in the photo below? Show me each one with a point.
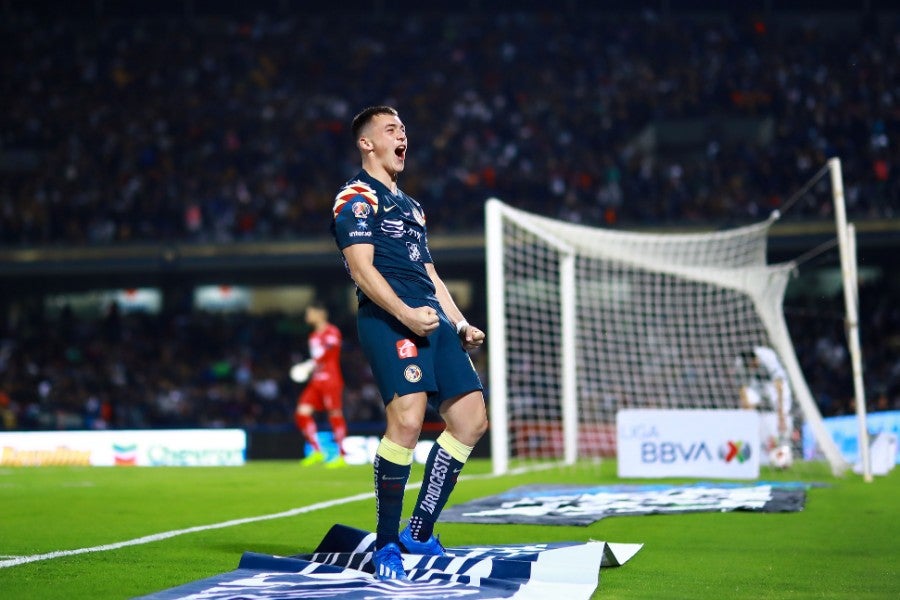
(412, 373)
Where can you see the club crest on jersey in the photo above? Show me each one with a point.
(412, 373)
(359, 191)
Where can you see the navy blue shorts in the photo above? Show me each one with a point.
(404, 363)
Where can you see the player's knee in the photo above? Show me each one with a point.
(407, 424)
(482, 427)
(477, 428)
(466, 417)
(470, 430)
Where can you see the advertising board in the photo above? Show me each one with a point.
(688, 443)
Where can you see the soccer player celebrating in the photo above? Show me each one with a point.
(325, 389)
(414, 337)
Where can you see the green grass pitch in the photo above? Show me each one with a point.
(844, 544)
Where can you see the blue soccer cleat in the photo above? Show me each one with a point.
(389, 564)
(432, 547)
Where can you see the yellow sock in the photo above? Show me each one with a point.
(394, 452)
(454, 447)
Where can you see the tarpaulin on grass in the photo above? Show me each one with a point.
(341, 568)
(583, 505)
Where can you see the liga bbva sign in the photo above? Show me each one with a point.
(688, 443)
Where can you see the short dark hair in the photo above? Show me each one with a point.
(363, 118)
(317, 304)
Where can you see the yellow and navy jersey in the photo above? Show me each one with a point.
(366, 212)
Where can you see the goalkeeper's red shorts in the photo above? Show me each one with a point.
(322, 395)
(404, 363)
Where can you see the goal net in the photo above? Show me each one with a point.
(585, 321)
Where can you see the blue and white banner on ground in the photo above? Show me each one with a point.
(845, 432)
(341, 567)
(688, 443)
(142, 448)
(583, 505)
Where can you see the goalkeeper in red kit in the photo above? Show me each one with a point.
(325, 390)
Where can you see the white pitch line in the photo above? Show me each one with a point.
(147, 539)
(156, 537)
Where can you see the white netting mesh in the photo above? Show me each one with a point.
(660, 321)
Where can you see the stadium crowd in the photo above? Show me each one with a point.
(139, 370)
(200, 369)
(222, 128)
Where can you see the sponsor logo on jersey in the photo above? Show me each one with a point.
(362, 229)
(392, 228)
(415, 254)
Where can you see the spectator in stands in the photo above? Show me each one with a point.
(184, 129)
(171, 129)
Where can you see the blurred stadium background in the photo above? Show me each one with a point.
(167, 171)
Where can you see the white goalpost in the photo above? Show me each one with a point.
(847, 244)
(584, 321)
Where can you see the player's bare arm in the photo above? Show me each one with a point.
(420, 320)
(471, 336)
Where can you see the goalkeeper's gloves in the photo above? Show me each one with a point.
(301, 371)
